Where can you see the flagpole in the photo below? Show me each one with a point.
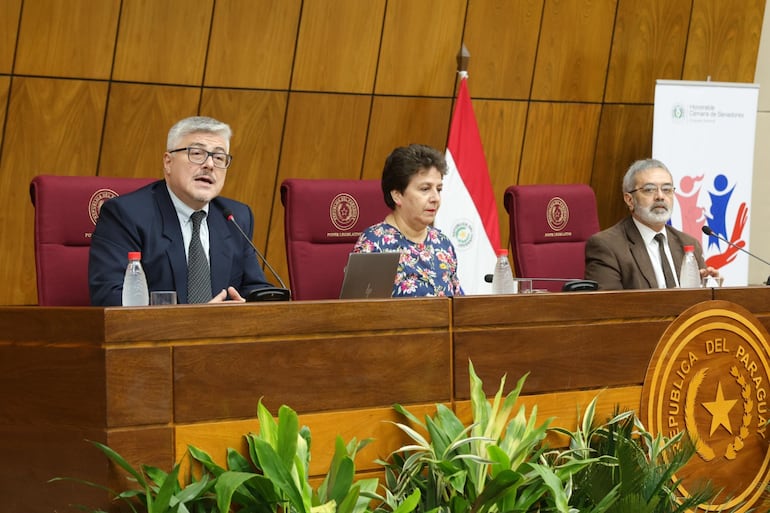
(463, 57)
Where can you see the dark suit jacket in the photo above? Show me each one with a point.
(617, 258)
(146, 221)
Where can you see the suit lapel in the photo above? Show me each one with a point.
(172, 233)
(639, 253)
(220, 250)
(676, 246)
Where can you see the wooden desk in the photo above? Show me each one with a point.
(148, 381)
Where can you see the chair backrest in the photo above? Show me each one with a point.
(549, 227)
(322, 221)
(66, 210)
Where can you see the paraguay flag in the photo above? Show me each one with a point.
(468, 213)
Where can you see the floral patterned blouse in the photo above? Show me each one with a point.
(426, 269)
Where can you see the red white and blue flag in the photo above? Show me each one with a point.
(468, 213)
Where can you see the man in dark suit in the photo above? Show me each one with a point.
(628, 255)
(157, 220)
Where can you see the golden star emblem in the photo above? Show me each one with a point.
(719, 409)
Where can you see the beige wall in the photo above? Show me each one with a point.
(759, 243)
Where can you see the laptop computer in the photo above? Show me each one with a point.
(369, 275)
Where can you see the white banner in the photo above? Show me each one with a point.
(704, 133)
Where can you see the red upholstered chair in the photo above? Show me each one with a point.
(550, 225)
(322, 221)
(66, 209)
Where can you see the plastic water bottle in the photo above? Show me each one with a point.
(502, 279)
(135, 282)
(689, 275)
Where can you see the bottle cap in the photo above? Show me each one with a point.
(134, 255)
(502, 252)
(689, 248)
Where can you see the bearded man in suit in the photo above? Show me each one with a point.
(642, 251)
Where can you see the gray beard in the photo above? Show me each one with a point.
(650, 217)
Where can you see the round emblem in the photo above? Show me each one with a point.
(343, 211)
(462, 234)
(96, 201)
(557, 214)
(709, 377)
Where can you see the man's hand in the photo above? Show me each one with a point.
(227, 296)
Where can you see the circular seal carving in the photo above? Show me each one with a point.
(343, 211)
(557, 214)
(709, 377)
(96, 201)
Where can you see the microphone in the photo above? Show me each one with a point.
(569, 284)
(711, 233)
(265, 293)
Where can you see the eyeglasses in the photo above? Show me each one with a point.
(650, 189)
(199, 156)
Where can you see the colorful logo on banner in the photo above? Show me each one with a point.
(706, 202)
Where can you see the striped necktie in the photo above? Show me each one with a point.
(198, 271)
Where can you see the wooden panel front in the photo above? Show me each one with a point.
(374, 423)
(9, 25)
(564, 340)
(310, 375)
(754, 299)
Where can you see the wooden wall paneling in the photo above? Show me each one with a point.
(139, 117)
(338, 46)
(574, 50)
(67, 39)
(252, 43)
(625, 135)
(723, 40)
(375, 423)
(324, 137)
(501, 37)
(10, 12)
(501, 125)
(400, 121)
(257, 120)
(163, 42)
(53, 127)
(559, 143)
(420, 43)
(648, 44)
(5, 87)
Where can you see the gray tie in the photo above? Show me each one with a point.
(670, 283)
(198, 272)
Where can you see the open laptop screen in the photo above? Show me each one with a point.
(370, 275)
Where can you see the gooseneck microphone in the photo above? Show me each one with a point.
(711, 233)
(265, 293)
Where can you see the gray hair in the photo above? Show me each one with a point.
(197, 124)
(629, 180)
